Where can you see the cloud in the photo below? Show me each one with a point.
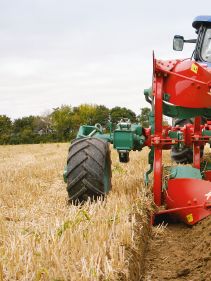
(57, 52)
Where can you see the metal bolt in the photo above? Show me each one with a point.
(157, 140)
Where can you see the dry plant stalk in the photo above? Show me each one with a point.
(44, 238)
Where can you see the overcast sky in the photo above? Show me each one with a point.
(55, 52)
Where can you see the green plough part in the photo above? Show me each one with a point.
(126, 136)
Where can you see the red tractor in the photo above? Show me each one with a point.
(181, 89)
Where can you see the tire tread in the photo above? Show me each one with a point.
(85, 168)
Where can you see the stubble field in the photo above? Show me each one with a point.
(42, 237)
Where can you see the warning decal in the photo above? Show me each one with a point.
(194, 68)
(189, 218)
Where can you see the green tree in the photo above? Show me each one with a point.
(22, 123)
(122, 112)
(24, 130)
(62, 122)
(101, 115)
(5, 129)
(87, 113)
(144, 117)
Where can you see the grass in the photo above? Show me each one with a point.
(44, 238)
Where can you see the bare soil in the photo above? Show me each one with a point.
(179, 252)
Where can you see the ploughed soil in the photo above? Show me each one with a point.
(178, 252)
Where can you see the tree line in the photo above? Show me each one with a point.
(62, 123)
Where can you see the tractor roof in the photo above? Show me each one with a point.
(201, 20)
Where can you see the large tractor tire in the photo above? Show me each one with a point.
(88, 169)
(184, 155)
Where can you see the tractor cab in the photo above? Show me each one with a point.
(202, 52)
